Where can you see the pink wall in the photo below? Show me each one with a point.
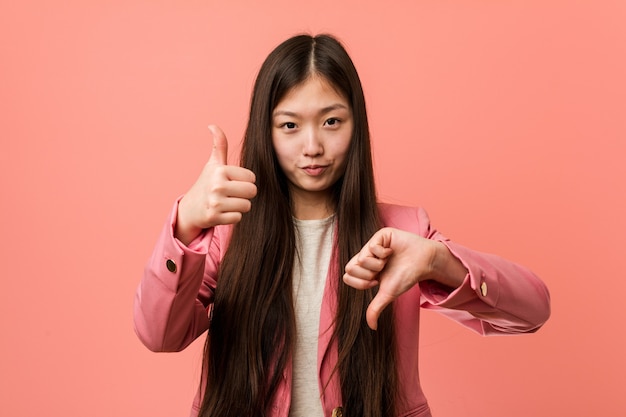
(506, 120)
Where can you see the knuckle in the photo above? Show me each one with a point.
(214, 204)
(219, 188)
(220, 169)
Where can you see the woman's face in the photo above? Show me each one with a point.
(311, 132)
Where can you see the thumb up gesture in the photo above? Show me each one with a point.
(220, 195)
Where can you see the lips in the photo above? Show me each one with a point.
(314, 170)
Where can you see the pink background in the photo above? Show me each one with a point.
(505, 119)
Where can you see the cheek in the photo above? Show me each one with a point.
(278, 148)
(283, 155)
(341, 148)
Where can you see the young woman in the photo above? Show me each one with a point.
(309, 288)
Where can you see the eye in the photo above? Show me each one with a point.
(333, 121)
(288, 125)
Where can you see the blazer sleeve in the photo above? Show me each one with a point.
(173, 297)
(497, 296)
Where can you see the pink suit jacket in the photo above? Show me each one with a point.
(497, 297)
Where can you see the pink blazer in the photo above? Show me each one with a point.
(497, 297)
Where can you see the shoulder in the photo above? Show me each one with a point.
(412, 219)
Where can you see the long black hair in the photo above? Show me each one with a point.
(253, 327)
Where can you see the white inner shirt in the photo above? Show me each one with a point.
(314, 239)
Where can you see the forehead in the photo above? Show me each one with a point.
(313, 94)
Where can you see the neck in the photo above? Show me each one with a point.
(312, 206)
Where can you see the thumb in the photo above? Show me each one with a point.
(219, 154)
(376, 307)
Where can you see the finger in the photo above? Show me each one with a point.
(370, 262)
(379, 245)
(231, 217)
(236, 173)
(376, 307)
(237, 189)
(358, 283)
(381, 238)
(359, 261)
(240, 189)
(380, 252)
(233, 205)
(360, 272)
(219, 154)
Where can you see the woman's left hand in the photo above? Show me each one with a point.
(395, 260)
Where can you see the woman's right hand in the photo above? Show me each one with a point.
(220, 195)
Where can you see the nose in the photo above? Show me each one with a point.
(312, 143)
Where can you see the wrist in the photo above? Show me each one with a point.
(184, 230)
(446, 268)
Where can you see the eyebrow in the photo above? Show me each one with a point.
(337, 106)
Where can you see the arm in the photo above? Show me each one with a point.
(178, 282)
(170, 308)
(496, 295)
(481, 291)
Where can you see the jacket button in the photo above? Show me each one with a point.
(483, 289)
(337, 412)
(171, 265)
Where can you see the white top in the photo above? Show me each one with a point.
(314, 240)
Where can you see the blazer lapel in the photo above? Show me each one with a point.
(327, 354)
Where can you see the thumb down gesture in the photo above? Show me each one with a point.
(395, 261)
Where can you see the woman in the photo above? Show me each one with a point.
(309, 288)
